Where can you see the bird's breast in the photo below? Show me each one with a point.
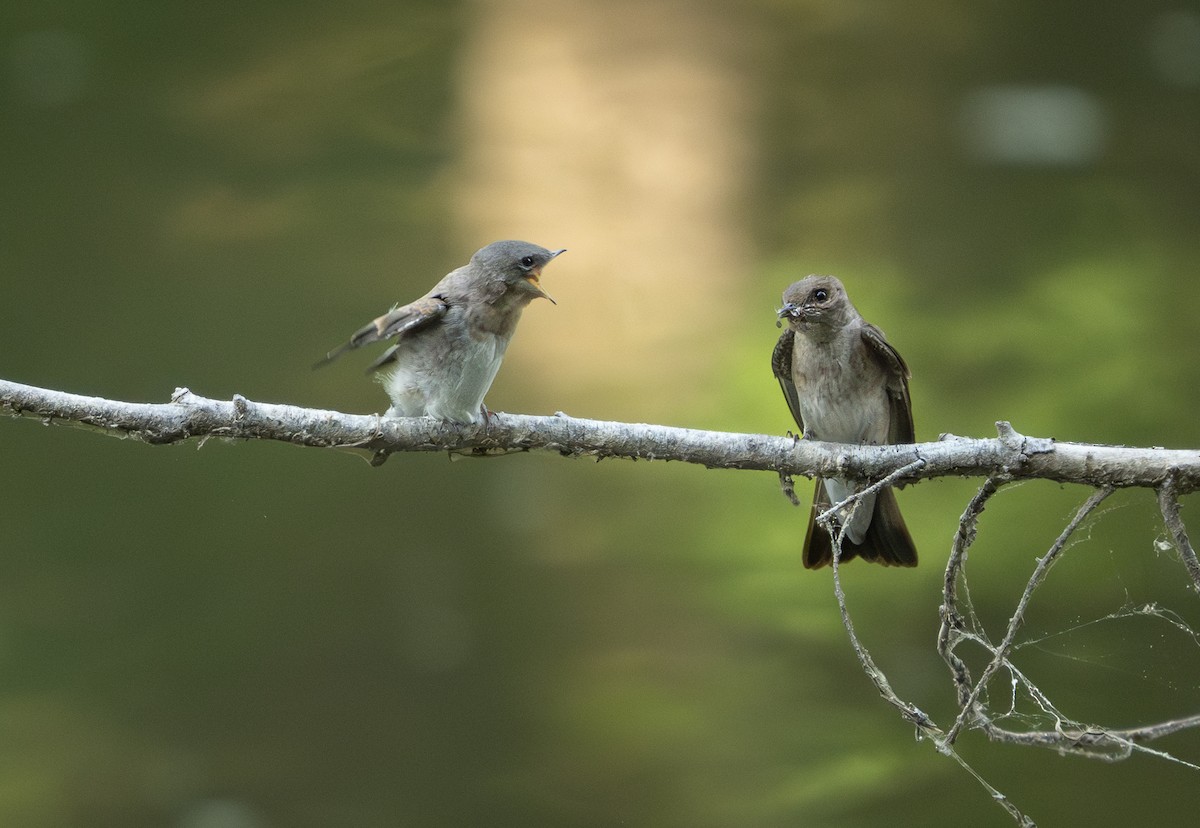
(497, 319)
(842, 399)
(446, 377)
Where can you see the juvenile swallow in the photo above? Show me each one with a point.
(448, 345)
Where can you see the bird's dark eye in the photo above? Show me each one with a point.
(820, 294)
(527, 262)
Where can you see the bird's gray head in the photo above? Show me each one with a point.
(518, 264)
(816, 300)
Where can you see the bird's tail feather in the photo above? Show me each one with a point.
(887, 540)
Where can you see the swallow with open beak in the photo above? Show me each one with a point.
(448, 345)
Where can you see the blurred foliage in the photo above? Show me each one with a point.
(253, 635)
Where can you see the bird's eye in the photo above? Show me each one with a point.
(820, 294)
(527, 261)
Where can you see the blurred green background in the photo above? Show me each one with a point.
(247, 635)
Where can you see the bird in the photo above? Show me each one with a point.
(844, 383)
(448, 344)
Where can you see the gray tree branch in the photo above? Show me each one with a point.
(1008, 456)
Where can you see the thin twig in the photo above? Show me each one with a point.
(952, 629)
(1168, 504)
(1096, 742)
(856, 497)
(911, 712)
(1000, 653)
(926, 727)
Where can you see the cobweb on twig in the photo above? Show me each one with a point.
(1022, 713)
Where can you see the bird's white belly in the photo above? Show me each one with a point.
(451, 388)
(836, 424)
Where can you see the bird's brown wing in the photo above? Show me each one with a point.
(781, 366)
(900, 430)
(394, 324)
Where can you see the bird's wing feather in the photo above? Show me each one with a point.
(900, 430)
(394, 324)
(781, 366)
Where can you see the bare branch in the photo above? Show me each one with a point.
(953, 628)
(926, 727)
(959, 624)
(1095, 742)
(188, 415)
(1168, 504)
(969, 712)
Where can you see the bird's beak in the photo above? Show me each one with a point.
(789, 310)
(533, 277)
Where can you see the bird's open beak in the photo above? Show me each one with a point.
(533, 277)
(789, 310)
